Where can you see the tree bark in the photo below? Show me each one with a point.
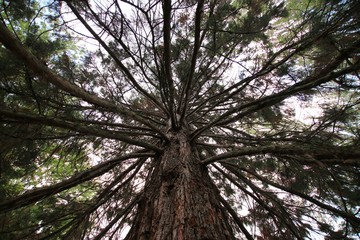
(180, 201)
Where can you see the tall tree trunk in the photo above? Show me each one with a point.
(180, 201)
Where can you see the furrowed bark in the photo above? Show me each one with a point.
(180, 201)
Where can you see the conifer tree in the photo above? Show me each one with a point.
(190, 120)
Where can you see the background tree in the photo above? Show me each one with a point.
(184, 124)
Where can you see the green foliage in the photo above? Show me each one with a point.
(31, 154)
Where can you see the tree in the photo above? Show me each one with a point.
(190, 109)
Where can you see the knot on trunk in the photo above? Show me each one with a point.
(170, 172)
(176, 157)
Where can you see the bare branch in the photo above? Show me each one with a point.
(185, 93)
(169, 83)
(236, 218)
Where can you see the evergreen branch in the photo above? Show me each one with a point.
(119, 215)
(279, 210)
(270, 65)
(36, 195)
(10, 42)
(283, 214)
(352, 218)
(333, 156)
(273, 212)
(267, 68)
(108, 192)
(27, 117)
(325, 75)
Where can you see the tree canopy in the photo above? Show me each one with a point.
(219, 119)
